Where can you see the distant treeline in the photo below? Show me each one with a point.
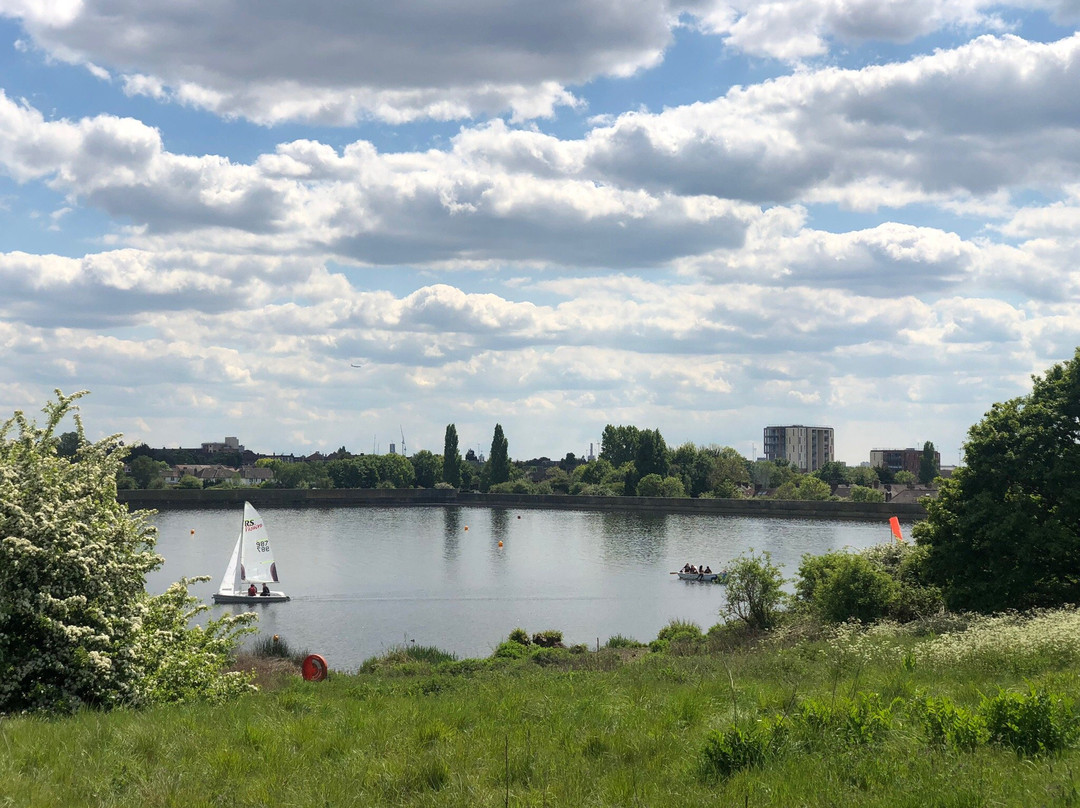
(633, 462)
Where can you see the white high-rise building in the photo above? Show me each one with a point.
(807, 448)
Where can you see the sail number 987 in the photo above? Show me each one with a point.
(262, 546)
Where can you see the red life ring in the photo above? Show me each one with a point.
(314, 668)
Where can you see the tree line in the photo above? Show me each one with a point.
(632, 462)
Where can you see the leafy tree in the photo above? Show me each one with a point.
(928, 464)
(755, 590)
(693, 466)
(619, 444)
(395, 471)
(651, 455)
(886, 476)
(730, 471)
(148, 472)
(68, 444)
(854, 588)
(833, 472)
(451, 469)
(1004, 530)
(77, 628)
(497, 468)
(427, 468)
(863, 475)
(804, 488)
(860, 493)
(672, 487)
(189, 481)
(771, 473)
(904, 478)
(651, 485)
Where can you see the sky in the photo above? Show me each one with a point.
(341, 223)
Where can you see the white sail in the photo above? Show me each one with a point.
(256, 557)
(230, 581)
(251, 563)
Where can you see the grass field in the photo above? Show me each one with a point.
(946, 713)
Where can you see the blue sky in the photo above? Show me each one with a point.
(703, 217)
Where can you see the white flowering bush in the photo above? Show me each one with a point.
(1010, 642)
(76, 625)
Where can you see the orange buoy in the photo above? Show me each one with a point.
(193, 531)
(466, 527)
(314, 668)
(500, 544)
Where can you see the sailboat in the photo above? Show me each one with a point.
(251, 564)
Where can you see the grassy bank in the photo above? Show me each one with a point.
(889, 717)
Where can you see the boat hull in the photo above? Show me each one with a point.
(707, 577)
(243, 597)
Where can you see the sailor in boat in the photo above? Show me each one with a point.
(252, 591)
(265, 591)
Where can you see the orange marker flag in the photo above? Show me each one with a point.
(894, 523)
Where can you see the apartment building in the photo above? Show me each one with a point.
(807, 448)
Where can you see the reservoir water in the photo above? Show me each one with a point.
(364, 580)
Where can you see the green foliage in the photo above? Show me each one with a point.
(497, 468)
(952, 726)
(427, 468)
(736, 748)
(651, 455)
(804, 487)
(833, 472)
(886, 580)
(148, 472)
(619, 444)
(520, 635)
(679, 637)
(619, 641)
(182, 664)
(451, 467)
(854, 589)
(189, 481)
(76, 626)
(754, 590)
(651, 485)
(861, 493)
(72, 566)
(1004, 530)
(928, 464)
(1030, 724)
(905, 477)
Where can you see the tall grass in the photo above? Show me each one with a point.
(839, 717)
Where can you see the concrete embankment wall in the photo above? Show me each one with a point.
(174, 498)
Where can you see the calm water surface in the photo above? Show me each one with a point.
(363, 580)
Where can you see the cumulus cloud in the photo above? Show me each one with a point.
(991, 114)
(330, 61)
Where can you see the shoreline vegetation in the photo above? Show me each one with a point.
(175, 498)
(947, 710)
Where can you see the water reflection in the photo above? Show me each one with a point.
(451, 533)
(633, 537)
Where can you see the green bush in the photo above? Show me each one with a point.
(737, 748)
(854, 588)
(619, 641)
(1030, 724)
(519, 635)
(755, 591)
(949, 725)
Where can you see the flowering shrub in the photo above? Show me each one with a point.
(1010, 642)
(76, 625)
